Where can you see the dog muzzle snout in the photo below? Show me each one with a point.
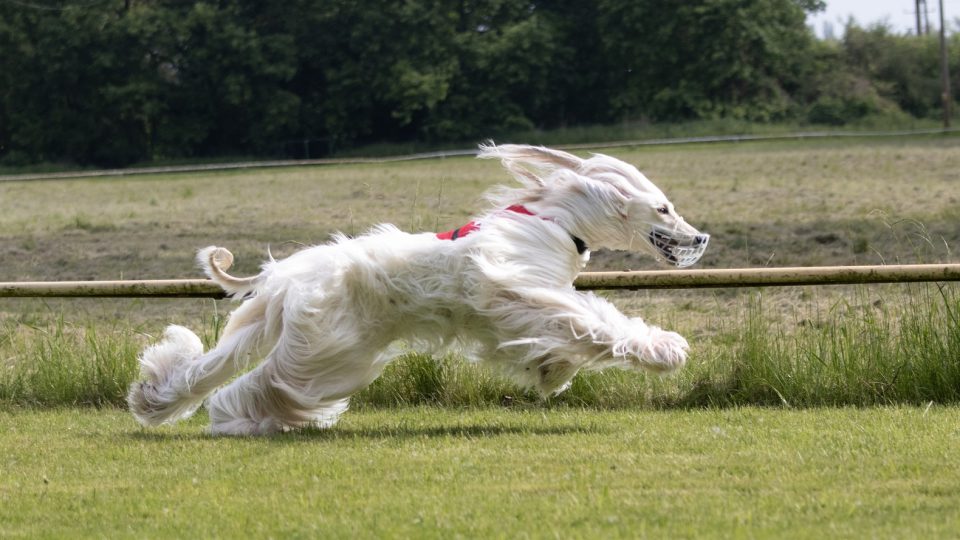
(679, 249)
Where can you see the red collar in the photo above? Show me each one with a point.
(519, 209)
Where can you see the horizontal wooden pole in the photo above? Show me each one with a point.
(156, 288)
(658, 279)
(768, 277)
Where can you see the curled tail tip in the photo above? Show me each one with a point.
(212, 257)
(215, 261)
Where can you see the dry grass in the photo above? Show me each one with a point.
(766, 204)
(770, 201)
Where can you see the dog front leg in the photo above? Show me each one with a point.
(650, 347)
(587, 331)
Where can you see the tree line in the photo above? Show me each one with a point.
(115, 82)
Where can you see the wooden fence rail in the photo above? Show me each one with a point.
(662, 279)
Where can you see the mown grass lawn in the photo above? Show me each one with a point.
(494, 472)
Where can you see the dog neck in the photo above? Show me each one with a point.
(460, 232)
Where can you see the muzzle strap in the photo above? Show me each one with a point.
(579, 244)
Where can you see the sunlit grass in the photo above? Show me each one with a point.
(429, 472)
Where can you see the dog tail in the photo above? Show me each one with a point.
(178, 375)
(215, 261)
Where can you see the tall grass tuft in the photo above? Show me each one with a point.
(421, 379)
(57, 364)
(903, 349)
(857, 353)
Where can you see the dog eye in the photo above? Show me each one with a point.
(663, 209)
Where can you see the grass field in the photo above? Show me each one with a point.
(442, 473)
(766, 204)
(843, 201)
(859, 351)
(435, 449)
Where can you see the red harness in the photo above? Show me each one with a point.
(472, 226)
(519, 209)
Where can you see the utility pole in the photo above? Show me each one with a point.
(919, 24)
(923, 19)
(944, 73)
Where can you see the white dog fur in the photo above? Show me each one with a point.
(326, 320)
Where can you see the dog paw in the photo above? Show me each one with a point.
(665, 352)
(555, 377)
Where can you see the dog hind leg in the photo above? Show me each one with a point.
(289, 391)
(178, 375)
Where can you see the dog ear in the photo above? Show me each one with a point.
(616, 195)
(624, 177)
(519, 159)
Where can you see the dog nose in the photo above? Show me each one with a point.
(700, 239)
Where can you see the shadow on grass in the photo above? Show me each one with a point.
(467, 431)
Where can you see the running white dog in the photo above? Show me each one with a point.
(325, 320)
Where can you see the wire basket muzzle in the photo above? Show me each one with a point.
(677, 248)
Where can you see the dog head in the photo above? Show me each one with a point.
(603, 200)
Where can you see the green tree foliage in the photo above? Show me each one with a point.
(64, 78)
(706, 58)
(109, 85)
(121, 81)
(903, 69)
(872, 70)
